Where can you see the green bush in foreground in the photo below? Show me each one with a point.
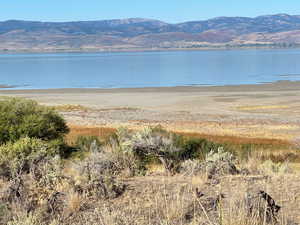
(25, 118)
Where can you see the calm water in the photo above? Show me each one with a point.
(147, 69)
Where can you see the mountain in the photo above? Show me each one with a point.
(139, 33)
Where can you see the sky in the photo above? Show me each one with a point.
(172, 11)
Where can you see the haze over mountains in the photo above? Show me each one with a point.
(137, 33)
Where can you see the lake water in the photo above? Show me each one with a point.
(148, 69)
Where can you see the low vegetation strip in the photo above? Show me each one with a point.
(277, 149)
(261, 107)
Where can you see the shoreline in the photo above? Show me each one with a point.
(3, 86)
(282, 85)
(210, 48)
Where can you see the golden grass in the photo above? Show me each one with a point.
(71, 108)
(74, 202)
(104, 132)
(275, 149)
(238, 140)
(242, 128)
(166, 200)
(156, 168)
(295, 166)
(119, 109)
(262, 107)
(76, 131)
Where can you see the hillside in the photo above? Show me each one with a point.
(137, 33)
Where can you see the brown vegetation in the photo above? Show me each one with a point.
(76, 131)
(148, 176)
(276, 149)
(110, 185)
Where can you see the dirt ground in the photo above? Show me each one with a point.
(258, 111)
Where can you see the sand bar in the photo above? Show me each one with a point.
(6, 86)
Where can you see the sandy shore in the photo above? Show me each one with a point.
(261, 111)
(3, 86)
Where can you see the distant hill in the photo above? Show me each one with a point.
(138, 33)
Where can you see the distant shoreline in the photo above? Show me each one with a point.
(41, 51)
(3, 86)
(272, 86)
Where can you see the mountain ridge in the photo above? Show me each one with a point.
(139, 33)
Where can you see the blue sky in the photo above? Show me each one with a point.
(172, 11)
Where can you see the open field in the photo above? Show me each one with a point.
(262, 117)
(268, 111)
(112, 184)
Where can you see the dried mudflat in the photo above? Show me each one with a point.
(269, 110)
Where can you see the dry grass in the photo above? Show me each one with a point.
(119, 109)
(240, 140)
(278, 122)
(160, 199)
(262, 107)
(277, 149)
(76, 131)
(104, 132)
(157, 198)
(169, 200)
(72, 108)
(74, 202)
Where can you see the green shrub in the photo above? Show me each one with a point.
(18, 157)
(87, 143)
(195, 148)
(220, 163)
(220, 155)
(25, 118)
(191, 167)
(217, 163)
(98, 175)
(149, 145)
(153, 145)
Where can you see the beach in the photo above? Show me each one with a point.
(268, 110)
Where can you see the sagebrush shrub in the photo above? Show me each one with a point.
(96, 176)
(220, 163)
(149, 145)
(191, 167)
(96, 164)
(18, 157)
(152, 145)
(25, 118)
(87, 143)
(220, 155)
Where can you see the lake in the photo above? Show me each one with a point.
(148, 69)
